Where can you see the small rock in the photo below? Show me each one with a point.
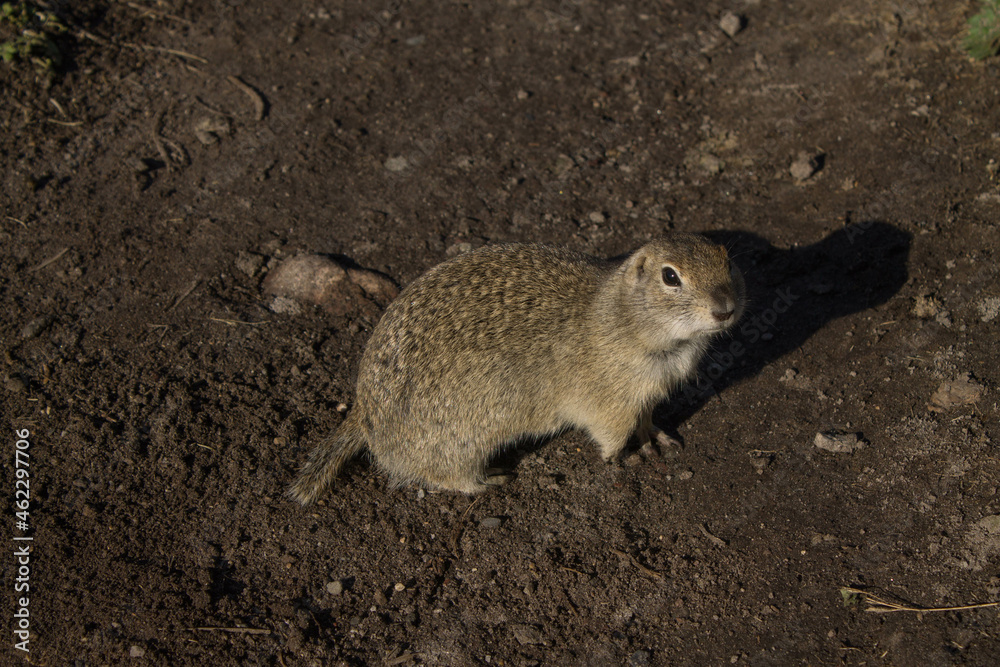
(926, 306)
(563, 164)
(399, 588)
(805, 166)
(459, 248)
(209, 129)
(397, 164)
(491, 522)
(731, 23)
(381, 599)
(962, 391)
(991, 524)
(14, 385)
(548, 482)
(526, 634)
(285, 306)
(638, 659)
(597, 218)
(989, 308)
(136, 651)
(335, 587)
(36, 326)
(523, 94)
(249, 263)
(338, 289)
(416, 40)
(139, 165)
(685, 475)
(633, 459)
(710, 164)
(838, 442)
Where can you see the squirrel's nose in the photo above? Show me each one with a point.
(724, 308)
(723, 315)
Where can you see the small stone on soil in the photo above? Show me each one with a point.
(335, 588)
(838, 442)
(526, 634)
(989, 308)
(396, 164)
(731, 23)
(35, 327)
(249, 263)
(962, 391)
(285, 306)
(804, 167)
(638, 659)
(491, 522)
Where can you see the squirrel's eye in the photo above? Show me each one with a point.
(670, 277)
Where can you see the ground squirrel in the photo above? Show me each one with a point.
(525, 340)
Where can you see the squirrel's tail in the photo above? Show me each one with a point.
(327, 459)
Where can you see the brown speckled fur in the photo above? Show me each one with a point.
(525, 340)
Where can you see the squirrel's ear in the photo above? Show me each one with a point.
(637, 267)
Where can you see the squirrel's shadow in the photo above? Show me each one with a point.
(792, 294)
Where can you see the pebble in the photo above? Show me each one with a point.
(926, 306)
(136, 651)
(710, 164)
(991, 524)
(458, 248)
(563, 164)
(804, 167)
(284, 306)
(597, 218)
(249, 263)
(526, 634)
(989, 308)
(337, 287)
(838, 442)
(35, 327)
(638, 659)
(397, 164)
(961, 391)
(14, 385)
(335, 588)
(731, 23)
(491, 522)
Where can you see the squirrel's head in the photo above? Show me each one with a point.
(682, 287)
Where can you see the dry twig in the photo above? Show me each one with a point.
(237, 630)
(642, 568)
(258, 101)
(50, 260)
(877, 605)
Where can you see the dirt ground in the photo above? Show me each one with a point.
(846, 152)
